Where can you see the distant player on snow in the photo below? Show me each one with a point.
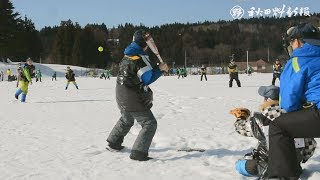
(54, 76)
(24, 80)
(233, 73)
(107, 74)
(180, 72)
(38, 75)
(249, 70)
(277, 69)
(203, 72)
(70, 76)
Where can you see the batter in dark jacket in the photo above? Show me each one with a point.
(134, 97)
(277, 69)
(70, 76)
(203, 72)
(233, 73)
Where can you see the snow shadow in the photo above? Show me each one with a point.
(73, 101)
(210, 152)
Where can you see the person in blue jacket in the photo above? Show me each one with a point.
(300, 98)
(134, 97)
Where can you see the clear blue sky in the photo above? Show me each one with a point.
(148, 12)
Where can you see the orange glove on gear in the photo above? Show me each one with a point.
(240, 113)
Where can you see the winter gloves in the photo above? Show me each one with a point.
(240, 113)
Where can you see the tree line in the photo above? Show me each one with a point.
(209, 43)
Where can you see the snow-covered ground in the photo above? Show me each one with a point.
(60, 134)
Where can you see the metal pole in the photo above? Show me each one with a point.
(185, 58)
(268, 55)
(247, 59)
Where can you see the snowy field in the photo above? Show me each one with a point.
(60, 134)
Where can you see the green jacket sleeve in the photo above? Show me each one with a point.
(27, 74)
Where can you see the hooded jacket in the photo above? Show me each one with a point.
(25, 73)
(70, 76)
(301, 77)
(136, 72)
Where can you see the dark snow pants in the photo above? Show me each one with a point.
(231, 81)
(205, 76)
(234, 76)
(282, 154)
(149, 126)
(275, 76)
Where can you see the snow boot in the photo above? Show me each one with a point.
(114, 147)
(139, 156)
(238, 83)
(247, 167)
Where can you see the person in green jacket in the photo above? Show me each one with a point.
(38, 75)
(181, 72)
(184, 72)
(25, 79)
(107, 74)
(249, 70)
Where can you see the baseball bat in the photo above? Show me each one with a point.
(152, 45)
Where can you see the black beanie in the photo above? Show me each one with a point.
(139, 38)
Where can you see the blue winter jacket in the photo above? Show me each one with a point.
(147, 73)
(300, 79)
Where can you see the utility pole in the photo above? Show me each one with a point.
(247, 59)
(185, 58)
(268, 55)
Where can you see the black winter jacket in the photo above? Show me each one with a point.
(70, 75)
(131, 94)
(233, 72)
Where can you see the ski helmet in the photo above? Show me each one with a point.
(306, 32)
(139, 37)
